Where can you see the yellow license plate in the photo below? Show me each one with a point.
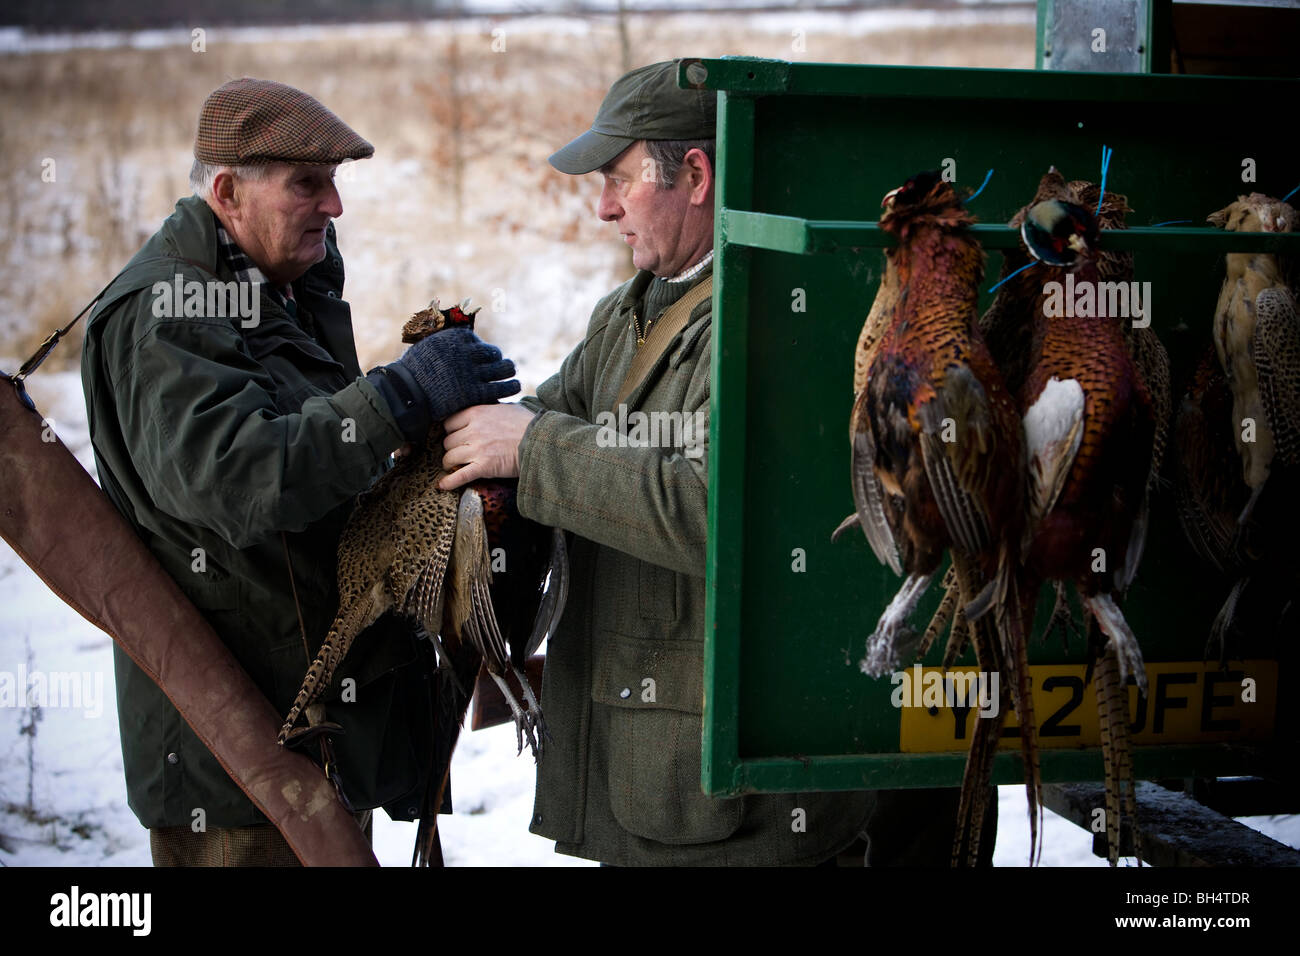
(1186, 702)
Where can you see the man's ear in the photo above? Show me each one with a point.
(699, 177)
(225, 192)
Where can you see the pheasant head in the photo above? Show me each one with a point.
(1059, 233)
(433, 319)
(925, 199)
(1256, 213)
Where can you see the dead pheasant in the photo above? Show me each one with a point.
(1014, 330)
(1239, 431)
(1258, 340)
(937, 458)
(869, 338)
(1090, 427)
(427, 554)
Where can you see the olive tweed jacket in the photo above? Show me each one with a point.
(623, 683)
(212, 439)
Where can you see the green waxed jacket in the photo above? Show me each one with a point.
(621, 781)
(213, 439)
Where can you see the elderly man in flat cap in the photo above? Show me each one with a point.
(233, 428)
(621, 781)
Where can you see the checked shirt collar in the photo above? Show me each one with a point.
(687, 275)
(246, 271)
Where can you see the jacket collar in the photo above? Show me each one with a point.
(190, 232)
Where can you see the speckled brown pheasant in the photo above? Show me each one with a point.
(1245, 520)
(1258, 341)
(425, 553)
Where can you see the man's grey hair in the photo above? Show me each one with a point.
(203, 175)
(669, 153)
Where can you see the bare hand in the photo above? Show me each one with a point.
(483, 442)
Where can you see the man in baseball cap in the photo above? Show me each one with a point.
(233, 428)
(622, 684)
(646, 104)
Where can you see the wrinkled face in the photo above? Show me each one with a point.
(649, 219)
(280, 221)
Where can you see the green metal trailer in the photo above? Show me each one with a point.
(806, 152)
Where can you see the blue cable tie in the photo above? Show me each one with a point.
(1027, 265)
(1290, 194)
(987, 177)
(1105, 167)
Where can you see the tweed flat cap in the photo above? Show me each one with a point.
(644, 104)
(251, 122)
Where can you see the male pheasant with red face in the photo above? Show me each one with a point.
(1090, 431)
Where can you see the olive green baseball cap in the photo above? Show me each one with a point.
(644, 104)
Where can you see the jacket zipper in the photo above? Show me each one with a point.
(636, 327)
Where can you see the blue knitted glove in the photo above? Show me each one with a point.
(441, 374)
(455, 369)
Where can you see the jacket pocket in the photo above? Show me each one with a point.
(652, 697)
(657, 592)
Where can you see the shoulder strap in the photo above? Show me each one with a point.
(54, 338)
(661, 336)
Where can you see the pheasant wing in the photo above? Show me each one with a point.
(1276, 351)
(471, 600)
(554, 589)
(957, 452)
(427, 531)
(868, 492)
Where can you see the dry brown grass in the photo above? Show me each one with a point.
(119, 124)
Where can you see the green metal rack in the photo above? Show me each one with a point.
(806, 151)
